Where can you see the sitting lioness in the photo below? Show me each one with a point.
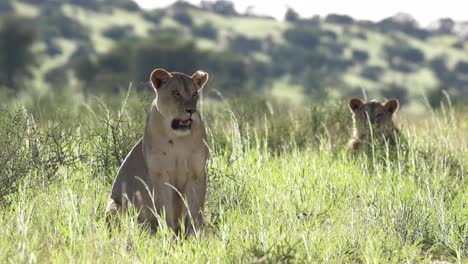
(167, 166)
(372, 121)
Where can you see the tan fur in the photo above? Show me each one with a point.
(372, 121)
(167, 162)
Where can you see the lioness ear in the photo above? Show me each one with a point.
(158, 76)
(391, 105)
(200, 78)
(354, 104)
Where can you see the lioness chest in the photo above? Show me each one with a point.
(176, 162)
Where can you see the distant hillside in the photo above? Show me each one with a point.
(103, 45)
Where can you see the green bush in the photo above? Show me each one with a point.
(206, 30)
(119, 32)
(15, 156)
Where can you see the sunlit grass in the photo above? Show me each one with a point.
(270, 197)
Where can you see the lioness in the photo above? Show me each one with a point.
(168, 164)
(372, 121)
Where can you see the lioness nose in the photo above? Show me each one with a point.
(190, 110)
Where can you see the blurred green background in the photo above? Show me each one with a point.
(78, 48)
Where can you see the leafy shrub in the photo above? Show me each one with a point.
(291, 15)
(54, 145)
(17, 35)
(14, 158)
(403, 23)
(372, 72)
(85, 69)
(82, 51)
(5, 7)
(113, 137)
(406, 53)
(244, 45)
(52, 48)
(339, 19)
(439, 67)
(57, 76)
(30, 149)
(183, 18)
(329, 35)
(445, 26)
(461, 67)
(153, 16)
(306, 37)
(360, 56)
(404, 58)
(361, 35)
(460, 45)
(89, 4)
(55, 24)
(126, 4)
(223, 7)
(396, 91)
(206, 30)
(119, 32)
(134, 62)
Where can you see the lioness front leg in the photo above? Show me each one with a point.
(164, 201)
(195, 191)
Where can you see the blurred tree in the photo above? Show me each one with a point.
(244, 45)
(445, 26)
(153, 16)
(5, 7)
(82, 50)
(360, 56)
(89, 4)
(182, 5)
(461, 67)
(206, 30)
(133, 62)
(16, 39)
(183, 17)
(85, 69)
(53, 23)
(396, 91)
(128, 5)
(306, 36)
(222, 7)
(57, 77)
(291, 15)
(403, 57)
(339, 19)
(404, 23)
(52, 48)
(459, 45)
(372, 72)
(119, 32)
(439, 66)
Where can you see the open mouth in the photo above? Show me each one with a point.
(180, 124)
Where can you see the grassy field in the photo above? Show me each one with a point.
(282, 188)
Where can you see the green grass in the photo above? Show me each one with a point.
(281, 189)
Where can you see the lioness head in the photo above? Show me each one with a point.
(373, 116)
(177, 97)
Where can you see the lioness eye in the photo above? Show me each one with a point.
(176, 93)
(195, 94)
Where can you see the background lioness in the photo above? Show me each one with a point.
(169, 161)
(372, 121)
